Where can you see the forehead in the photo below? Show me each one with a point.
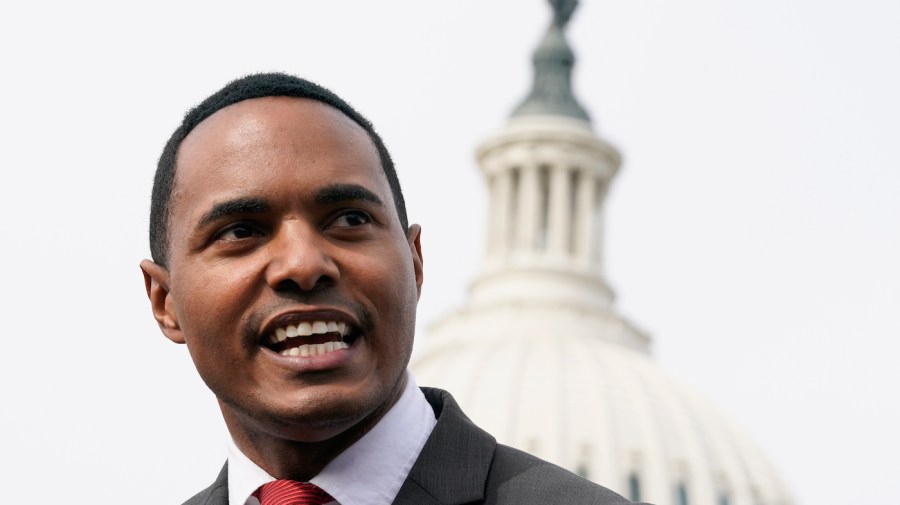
(275, 143)
(261, 131)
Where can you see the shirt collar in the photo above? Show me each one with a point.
(369, 472)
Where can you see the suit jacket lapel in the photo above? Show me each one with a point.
(453, 466)
(216, 494)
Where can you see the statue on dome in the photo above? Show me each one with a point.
(562, 11)
(553, 59)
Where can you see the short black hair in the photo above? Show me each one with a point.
(246, 88)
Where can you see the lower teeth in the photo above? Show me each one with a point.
(306, 350)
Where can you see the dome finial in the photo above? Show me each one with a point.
(553, 60)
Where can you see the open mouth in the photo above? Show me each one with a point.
(311, 338)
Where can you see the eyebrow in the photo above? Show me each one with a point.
(335, 193)
(234, 207)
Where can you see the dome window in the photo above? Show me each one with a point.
(634, 487)
(681, 494)
(582, 470)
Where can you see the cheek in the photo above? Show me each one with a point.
(391, 286)
(398, 301)
(211, 310)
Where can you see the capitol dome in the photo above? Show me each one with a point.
(599, 408)
(539, 356)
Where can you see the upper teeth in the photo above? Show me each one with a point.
(307, 328)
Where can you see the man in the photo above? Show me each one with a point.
(282, 257)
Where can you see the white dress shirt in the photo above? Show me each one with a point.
(369, 472)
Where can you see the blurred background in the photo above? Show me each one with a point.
(752, 231)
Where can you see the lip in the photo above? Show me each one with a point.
(320, 363)
(299, 316)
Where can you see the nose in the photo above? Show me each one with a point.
(300, 260)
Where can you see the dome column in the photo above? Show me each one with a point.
(499, 233)
(559, 220)
(528, 203)
(585, 203)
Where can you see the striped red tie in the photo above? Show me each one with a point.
(290, 492)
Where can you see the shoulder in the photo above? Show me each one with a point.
(215, 494)
(461, 460)
(518, 477)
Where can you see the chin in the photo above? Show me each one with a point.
(311, 416)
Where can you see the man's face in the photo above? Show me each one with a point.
(283, 227)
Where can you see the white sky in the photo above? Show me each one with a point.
(753, 230)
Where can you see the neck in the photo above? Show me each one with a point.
(284, 455)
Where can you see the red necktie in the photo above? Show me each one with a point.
(290, 492)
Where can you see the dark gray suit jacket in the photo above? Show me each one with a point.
(461, 463)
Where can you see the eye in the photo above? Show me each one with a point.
(238, 231)
(351, 219)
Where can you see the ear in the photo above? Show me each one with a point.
(413, 236)
(156, 281)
